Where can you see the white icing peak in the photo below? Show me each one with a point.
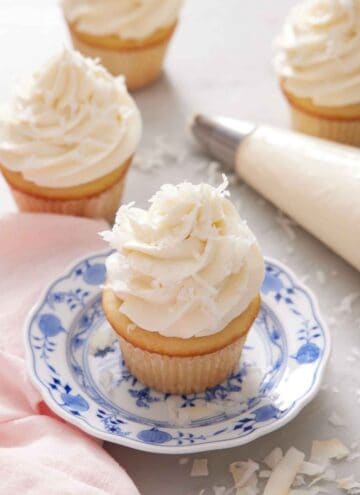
(188, 265)
(128, 19)
(319, 52)
(72, 123)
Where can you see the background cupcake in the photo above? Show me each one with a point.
(182, 287)
(67, 139)
(130, 38)
(318, 62)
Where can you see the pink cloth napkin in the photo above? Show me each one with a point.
(39, 453)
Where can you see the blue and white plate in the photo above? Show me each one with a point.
(76, 363)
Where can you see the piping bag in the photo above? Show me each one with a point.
(314, 181)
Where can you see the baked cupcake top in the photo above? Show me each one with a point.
(319, 52)
(188, 265)
(72, 123)
(127, 19)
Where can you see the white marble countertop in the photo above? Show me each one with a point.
(219, 62)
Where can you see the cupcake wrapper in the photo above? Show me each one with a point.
(181, 375)
(140, 66)
(104, 205)
(346, 132)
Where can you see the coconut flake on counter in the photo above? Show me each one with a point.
(219, 490)
(311, 469)
(335, 420)
(314, 490)
(199, 468)
(345, 306)
(160, 155)
(244, 476)
(183, 461)
(323, 451)
(273, 458)
(353, 456)
(264, 473)
(286, 224)
(284, 473)
(349, 484)
(320, 277)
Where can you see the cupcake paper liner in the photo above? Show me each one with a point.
(140, 66)
(181, 375)
(342, 131)
(103, 205)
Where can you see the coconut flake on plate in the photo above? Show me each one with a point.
(284, 473)
(199, 468)
(100, 340)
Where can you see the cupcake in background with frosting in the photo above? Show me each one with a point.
(68, 138)
(182, 288)
(129, 37)
(318, 62)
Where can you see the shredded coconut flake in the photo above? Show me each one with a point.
(242, 472)
(199, 468)
(265, 473)
(284, 473)
(335, 419)
(101, 339)
(273, 458)
(320, 277)
(350, 485)
(323, 451)
(183, 460)
(311, 469)
(286, 224)
(353, 456)
(345, 306)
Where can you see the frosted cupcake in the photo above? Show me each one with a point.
(182, 287)
(67, 139)
(318, 62)
(130, 37)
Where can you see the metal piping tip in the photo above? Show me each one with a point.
(221, 136)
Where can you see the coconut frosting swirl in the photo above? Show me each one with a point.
(72, 123)
(186, 266)
(318, 52)
(127, 19)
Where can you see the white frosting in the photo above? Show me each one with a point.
(319, 52)
(315, 181)
(71, 124)
(128, 19)
(187, 266)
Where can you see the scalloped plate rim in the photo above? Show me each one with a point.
(180, 449)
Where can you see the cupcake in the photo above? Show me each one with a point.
(182, 288)
(318, 64)
(129, 37)
(68, 137)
